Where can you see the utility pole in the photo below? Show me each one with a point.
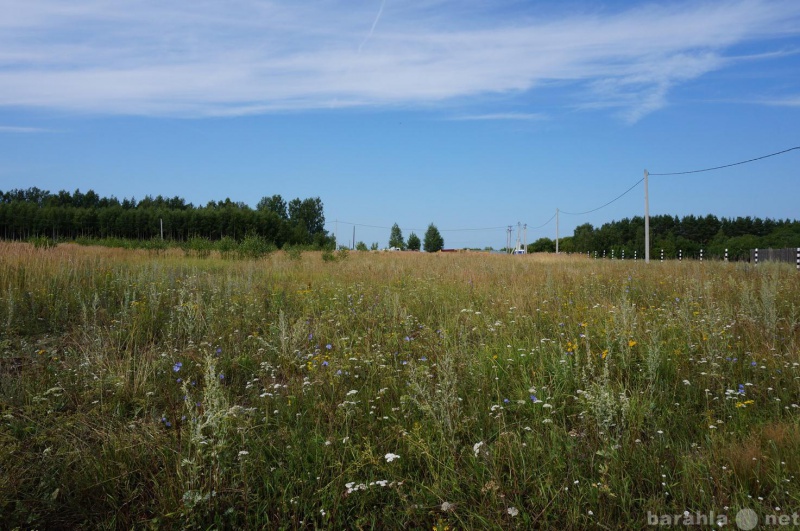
(526, 237)
(646, 220)
(352, 247)
(556, 231)
(519, 225)
(508, 239)
(161, 220)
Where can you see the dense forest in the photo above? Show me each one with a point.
(35, 213)
(687, 235)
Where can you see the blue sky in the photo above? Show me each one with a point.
(469, 114)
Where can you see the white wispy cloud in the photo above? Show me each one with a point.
(783, 102)
(520, 116)
(22, 130)
(209, 58)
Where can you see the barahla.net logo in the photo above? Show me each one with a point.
(746, 519)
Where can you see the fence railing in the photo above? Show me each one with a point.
(789, 255)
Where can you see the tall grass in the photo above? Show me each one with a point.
(169, 389)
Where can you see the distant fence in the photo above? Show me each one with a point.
(790, 255)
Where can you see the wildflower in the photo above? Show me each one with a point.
(513, 511)
(447, 507)
(391, 457)
(534, 399)
(631, 343)
(351, 392)
(221, 376)
(604, 354)
(325, 363)
(329, 346)
(177, 366)
(476, 448)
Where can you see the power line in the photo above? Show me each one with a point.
(420, 230)
(605, 205)
(729, 165)
(637, 183)
(543, 224)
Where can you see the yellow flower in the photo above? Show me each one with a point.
(605, 353)
(631, 343)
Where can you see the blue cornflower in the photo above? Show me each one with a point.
(741, 389)
(534, 399)
(506, 400)
(329, 346)
(221, 376)
(324, 363)
(177, 366)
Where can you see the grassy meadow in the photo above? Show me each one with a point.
(157, 389)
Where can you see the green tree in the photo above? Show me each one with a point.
(274, 204)
(396, 237)
(308, 213)
(413, 242)
(361, 246)
(542, 245)
(433, 239)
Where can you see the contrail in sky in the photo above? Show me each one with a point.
(372, 29)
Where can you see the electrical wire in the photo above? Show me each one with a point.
(605, 205)
(728, 165)
(544, 224)
(637, 183)
(408, 229)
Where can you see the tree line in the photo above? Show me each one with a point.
(35, 213)
(687, 235)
